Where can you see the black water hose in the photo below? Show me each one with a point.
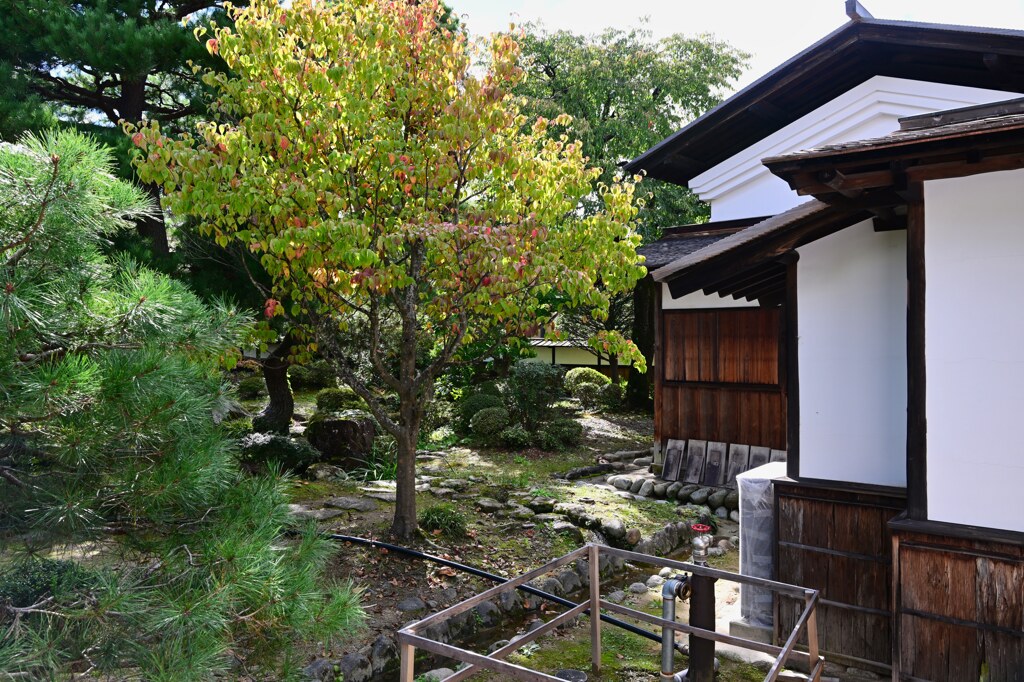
(495, 578)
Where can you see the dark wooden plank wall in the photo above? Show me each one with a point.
(721, 377)
(838, 541)
(960, 608)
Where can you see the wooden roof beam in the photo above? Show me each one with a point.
(746, 278)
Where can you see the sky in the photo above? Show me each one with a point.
(771, 30)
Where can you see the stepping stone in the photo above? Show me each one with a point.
(383, 496)
(411, 604)
(303, 512)
(354, 503)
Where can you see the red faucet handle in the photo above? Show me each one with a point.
(700, 528)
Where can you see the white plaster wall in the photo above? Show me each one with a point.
(699, 300)
(974, 338)
(852, 352)
(741, 187)
(569, 356)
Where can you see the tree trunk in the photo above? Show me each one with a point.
(276, 417)
(153, 228)
(404, 525)
(131, 107)
(638, 386)
(613, 367)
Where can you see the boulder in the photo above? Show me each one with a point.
(647, 489)
(437, 674)
(721, 512)
(409, 604)
(304, 512)
(673, 490)
(570, 581)
(344, 438)
(717, 498)
(633, 536)
(320, 670)
(488, 613)
(382, 653)
(655, 581)
(638, 483)
(260, 449)
(638, 588)
(613, 528)
(355, 668)
(732, 500)
(643, 461)
(541, 505)
(616, 597)
(321, 471)
(660, 490)
(734, 515)
(569, 529)
(684, 493)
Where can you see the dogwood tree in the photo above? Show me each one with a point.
(379, 165)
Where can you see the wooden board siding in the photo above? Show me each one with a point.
(959, 605)
(721, 377)
(838, 541)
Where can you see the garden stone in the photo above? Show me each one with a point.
(722, 512)
(568, 509)
(637, 485)
(569, 529)
(655, 581)
(382, 495)
(355, 668)
(701, 496)
(411, 604)
(633, 536)
(552, 586)
(455, 483)
(571, 675)
(343, 439)
(488, 505)
(522, 513)
(616, 597)
(661, 490)
(442, 492)
(570, 581)
(585, 472)
(490, 614)
(321, 471)
(510, 602)
(613, 528)
(638, 588)
(717, 498)
(304, 512)
(673, 490)
(436, 675)
(716, 551)
(684, 493)
(734, 516)
(320, 670)
(548, 518)
(665, 572)
(382, 653)
(624, 495)
(617, 563)
(732, 500)
(735, 540)
(643, 461)
(497, 645)
(623, 482)
(262, 448)
(726, 545)
(534, 625)
(588, 521)
(646, 489)
(541, 505)
(354, 503)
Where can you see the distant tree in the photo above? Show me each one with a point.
(394, 194)
(177, 567)
(626, 91)
(96, 62)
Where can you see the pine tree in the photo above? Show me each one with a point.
(173, 565)
(101, 61)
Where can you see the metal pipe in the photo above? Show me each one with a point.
(493, 577)
(675, 587)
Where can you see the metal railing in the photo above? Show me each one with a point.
(410, 639)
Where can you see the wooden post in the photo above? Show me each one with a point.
(408, 657)
(595, 609)
(812, 632)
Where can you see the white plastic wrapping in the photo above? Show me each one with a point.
(757, 539)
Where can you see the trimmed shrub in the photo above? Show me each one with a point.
(489, 387)
(489, 422)
(314, 375)
(252, 387)
(559, 434)
(515, 436)
(469, 406)
(445, 519)
(533, 387)
(25, 584)
(589, 395)
(575, 378)
(610, 396)
(237, 428)
(260, 449)
(336, 399)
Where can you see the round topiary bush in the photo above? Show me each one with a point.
(533, 388)
(489, 422)
(589, 395)
(610, 396)
(314, 375)
(444, 519)
(575, 378)
(336, 399)
(252, 387)
(469, 406)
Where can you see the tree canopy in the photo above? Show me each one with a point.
(387, 185)
(176, 566)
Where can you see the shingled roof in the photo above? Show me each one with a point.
(860, 49)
